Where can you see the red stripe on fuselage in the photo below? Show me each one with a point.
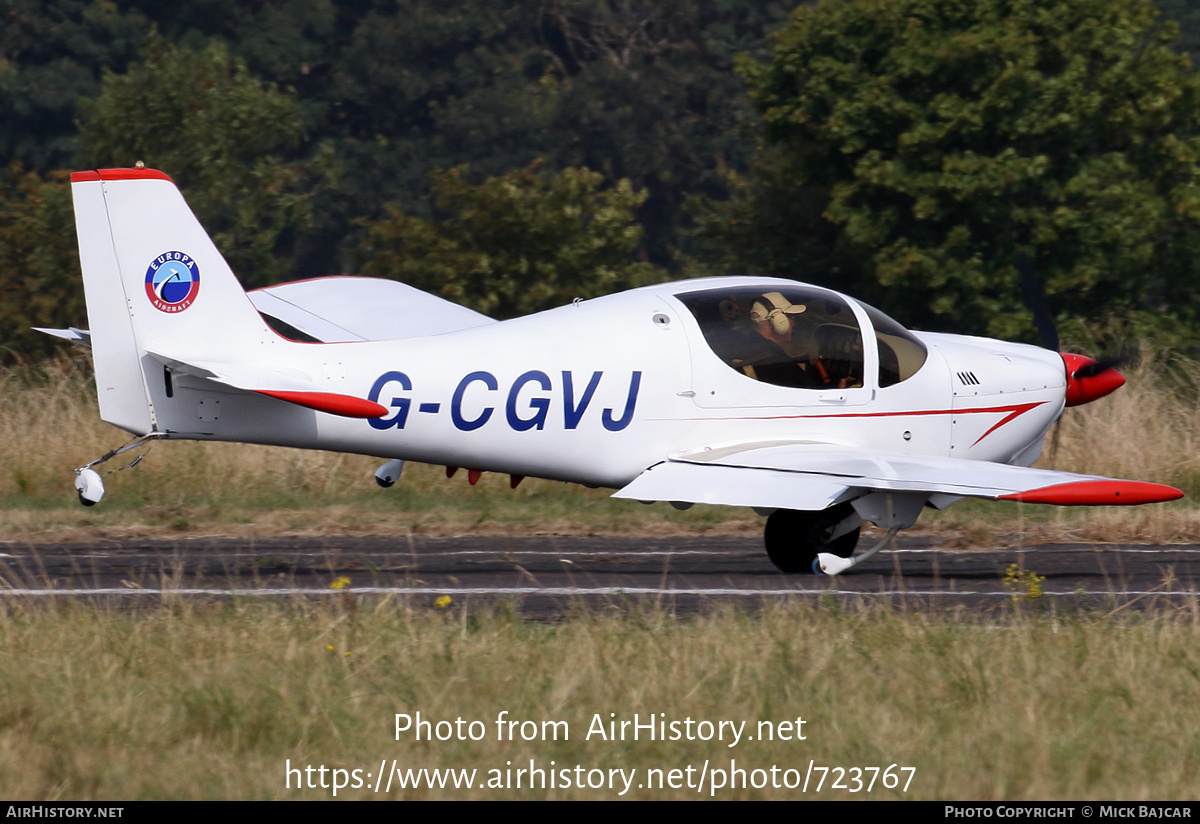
(1014, 411)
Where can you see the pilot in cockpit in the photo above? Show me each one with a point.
(792, 338)
(774, 317)
(778, 320)
(762, 341)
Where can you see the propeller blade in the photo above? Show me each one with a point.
(1123, 356)
(1035, 299)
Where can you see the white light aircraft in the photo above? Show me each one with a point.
(809, 406)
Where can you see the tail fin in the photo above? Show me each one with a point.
(155, 284)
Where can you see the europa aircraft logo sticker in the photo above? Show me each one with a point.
(172, 281)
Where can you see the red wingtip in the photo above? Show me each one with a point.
(1098, 493)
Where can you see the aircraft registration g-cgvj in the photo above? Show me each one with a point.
(809, 406)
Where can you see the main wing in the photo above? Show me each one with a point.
(815, 476)
(353, 309)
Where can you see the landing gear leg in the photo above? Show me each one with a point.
(88, 481)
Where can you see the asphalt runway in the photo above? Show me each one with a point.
(545, 575)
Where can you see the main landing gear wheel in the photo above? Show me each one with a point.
(794, 538)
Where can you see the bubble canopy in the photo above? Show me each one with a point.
(801, 336)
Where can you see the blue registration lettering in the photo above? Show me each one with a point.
(488, 380)
(541, 405)
(572, 413)
(401, 405)
(627, 416)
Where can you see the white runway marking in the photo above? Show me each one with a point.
(555, 591)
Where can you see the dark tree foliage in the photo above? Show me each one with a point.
(222, 135)
(1187, 14)
(631, 88)
(515, 244)
(950, 137)
(52, 54)
(39, 263)
(646, 90)
(386, 93)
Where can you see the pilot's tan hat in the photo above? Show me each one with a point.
(773, 306)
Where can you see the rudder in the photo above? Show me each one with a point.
(154, 282)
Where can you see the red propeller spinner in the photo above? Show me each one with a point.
(1088, 380)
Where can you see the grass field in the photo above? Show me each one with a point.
(192, 700)
(218, 699)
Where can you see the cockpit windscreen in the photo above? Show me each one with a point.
(797, 336)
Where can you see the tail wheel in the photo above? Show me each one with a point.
(794, 538)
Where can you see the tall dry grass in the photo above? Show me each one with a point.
(1149, 430)
(49, 424)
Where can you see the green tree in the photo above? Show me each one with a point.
(633, 89)
(515, 244)
(947, 137)
(223, 136)
(646, 90)
(1187, 14)
(39, 262)
(52, 53)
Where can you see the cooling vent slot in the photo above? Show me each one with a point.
(968, 378)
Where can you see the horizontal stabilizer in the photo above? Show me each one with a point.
(73, 334)
(289, 385)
